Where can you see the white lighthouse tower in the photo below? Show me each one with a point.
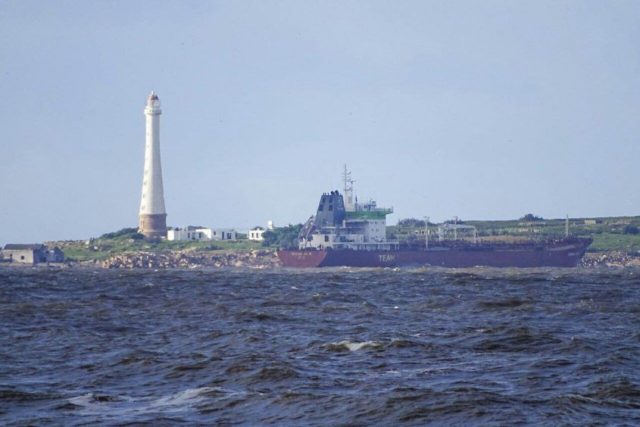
(153, 216)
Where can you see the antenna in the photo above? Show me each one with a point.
(426, 232)
(455, 228)
(348, 190)
(566, 226)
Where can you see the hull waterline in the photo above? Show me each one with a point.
(560, 255)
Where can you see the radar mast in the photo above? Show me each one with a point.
(349, 205)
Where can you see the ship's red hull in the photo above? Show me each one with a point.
(560, 254)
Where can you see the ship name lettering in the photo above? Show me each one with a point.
(386, 258)
(300, 255)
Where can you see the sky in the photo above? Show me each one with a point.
(481, 110)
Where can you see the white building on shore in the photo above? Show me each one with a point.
(201, 233)
(256, 233)
(30, 254)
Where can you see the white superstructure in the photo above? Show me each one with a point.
(153, 216)
(342, 223)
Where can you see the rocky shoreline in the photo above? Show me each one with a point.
(610, 259)
(260, 259)
(266, 259)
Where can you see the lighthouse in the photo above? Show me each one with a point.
(153, 216)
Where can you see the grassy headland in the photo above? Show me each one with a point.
(128, 240)
(609, 234)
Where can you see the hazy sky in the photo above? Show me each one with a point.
(481, 109)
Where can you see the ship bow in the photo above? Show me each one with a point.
(301, 259)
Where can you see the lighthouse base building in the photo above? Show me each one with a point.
(153, 226)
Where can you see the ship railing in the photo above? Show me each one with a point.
(367, 246)
(446, 230)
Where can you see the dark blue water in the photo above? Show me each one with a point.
(320, 348)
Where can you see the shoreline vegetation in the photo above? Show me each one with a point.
(616, 243)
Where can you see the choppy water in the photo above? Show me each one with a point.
(355, 347)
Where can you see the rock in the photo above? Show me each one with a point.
(614, 259)
(193, 259)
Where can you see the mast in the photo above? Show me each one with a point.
(426, 232)
(455, 228)
(349, 204)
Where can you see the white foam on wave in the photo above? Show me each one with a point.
(93, 404)
(355, 346)
(183, 399)
(171, 403)
(86, 401)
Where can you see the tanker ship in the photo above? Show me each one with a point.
(344, 232)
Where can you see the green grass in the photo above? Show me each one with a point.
(100, 249)
(608, 233)
(615, 242)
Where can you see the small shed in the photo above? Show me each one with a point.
(55, 255)
(25, 253)
(31, 253)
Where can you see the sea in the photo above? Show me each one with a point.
(350, 347)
